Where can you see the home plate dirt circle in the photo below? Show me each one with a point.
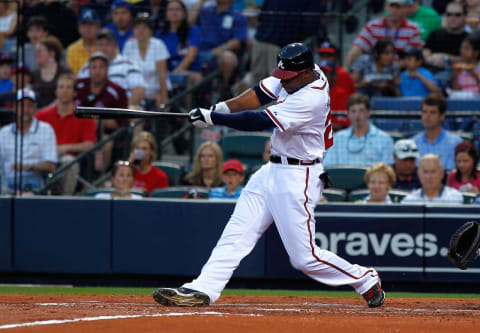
(113, 314)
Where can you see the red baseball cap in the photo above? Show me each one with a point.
(327, 47)
(232, 165)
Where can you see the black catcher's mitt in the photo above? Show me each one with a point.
(464, 245)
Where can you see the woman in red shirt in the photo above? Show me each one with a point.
(143, 151)
(465, 178)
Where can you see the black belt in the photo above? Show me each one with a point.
(293, 161)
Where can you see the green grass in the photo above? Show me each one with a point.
(42, 290)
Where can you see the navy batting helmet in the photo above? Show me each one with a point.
(292, 60)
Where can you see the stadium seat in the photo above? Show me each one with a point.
(94, 192)
(357, 195)
(397, 195)
(469, 198)
(347, 177)
(180, 192)
(335, 195)
(174, 171)
(247, 147)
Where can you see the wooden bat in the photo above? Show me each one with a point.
(117, 113)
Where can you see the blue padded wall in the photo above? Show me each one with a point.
(5, 234)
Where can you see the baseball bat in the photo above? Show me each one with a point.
(117, 113)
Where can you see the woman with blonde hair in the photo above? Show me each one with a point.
(379, 178)
(207, 166)
(143, 151)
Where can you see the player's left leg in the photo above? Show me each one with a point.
(292, 206)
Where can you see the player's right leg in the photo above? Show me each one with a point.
(248, 222)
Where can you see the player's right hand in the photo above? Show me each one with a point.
(200, 118)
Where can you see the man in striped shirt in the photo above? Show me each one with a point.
(121, 70)
(404, 33)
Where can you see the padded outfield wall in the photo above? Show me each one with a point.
(174, 238)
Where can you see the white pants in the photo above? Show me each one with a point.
(286, 194)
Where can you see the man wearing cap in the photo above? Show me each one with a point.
(121, 70)
(416, 80)
(36, 146)
(79, 51)
(362, 143)
(73, 135)
(233, 176)
(404, 33)
(405, 156)
(121, 25)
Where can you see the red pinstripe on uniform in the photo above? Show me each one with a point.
(268, 92)
(275, 120)
(320, 88)
(311, 238)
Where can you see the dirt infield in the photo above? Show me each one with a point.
(113, 314)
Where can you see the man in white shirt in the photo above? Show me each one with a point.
(431, 173)
(36, 146)
(121, 70)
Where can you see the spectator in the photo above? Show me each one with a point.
(6, 61)
(405, 155)
(62, 20)
(465, 176)
(362, 143)
(23, 75)
(416, 80)
(466, 73)
(73, 135)
(394, 26)
(282, 22)
(473, 15)
(207, 166)
(121, 70)
(431, 173)
(79, 52)
(233, 176)
(344, 82)
(122, 181)
(377, 74)
(435, 139)
(224, 34)
(379, 179)
(427, 19)
(143, 151)
(338, 95)
(97, 90)
(8, 26)
(151, 55)
(38, 154)
(48, 55)
(443, 45)
(122, 22)
(36, 31)
(182, 42)
(157, 10)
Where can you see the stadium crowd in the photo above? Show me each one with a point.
(138, 54)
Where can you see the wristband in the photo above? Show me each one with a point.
(221, 107)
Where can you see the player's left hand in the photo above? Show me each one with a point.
(200, 118)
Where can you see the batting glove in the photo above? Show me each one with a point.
(220, 107)
(200, 118)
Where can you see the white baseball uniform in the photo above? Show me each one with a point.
(287, 194)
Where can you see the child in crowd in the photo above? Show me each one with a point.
(122, 181)
(466, 74)
(416, 80)
(6, 61)
(233, 176)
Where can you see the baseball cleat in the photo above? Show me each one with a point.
(375, 296)
(180, 297)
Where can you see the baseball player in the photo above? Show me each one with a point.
(285, 190)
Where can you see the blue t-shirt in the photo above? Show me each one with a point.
(120, 37)
(176, 53)
(221, 193)
(5, 85)
(414, 86)
(217, 29)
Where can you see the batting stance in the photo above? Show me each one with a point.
(285, 190)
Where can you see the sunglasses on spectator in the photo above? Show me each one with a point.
(454, 14)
